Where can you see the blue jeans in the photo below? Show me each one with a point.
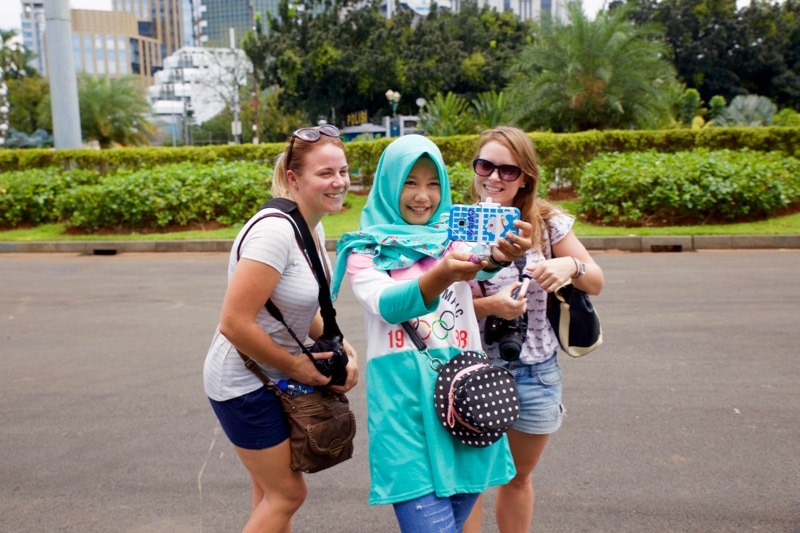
(432, 514)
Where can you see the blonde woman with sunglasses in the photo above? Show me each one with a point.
(267, 263)
(515, 331)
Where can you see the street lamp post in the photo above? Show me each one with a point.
(394, 98)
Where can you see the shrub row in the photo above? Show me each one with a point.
(173, 194)
(566, 151)
(702, 186)
(642, 188)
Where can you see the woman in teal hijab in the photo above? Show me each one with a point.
(393, 242)
(403, 268)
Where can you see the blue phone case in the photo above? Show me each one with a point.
(482, 223)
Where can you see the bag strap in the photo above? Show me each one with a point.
(435, 362)
(330, 327)
(253, 367)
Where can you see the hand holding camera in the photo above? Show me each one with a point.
(336, 366)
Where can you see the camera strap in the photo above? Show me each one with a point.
(520, 263)
(303, 238)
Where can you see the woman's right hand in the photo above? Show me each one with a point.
(505, 306)
(455, 266)
(461, 265)
(304, 371)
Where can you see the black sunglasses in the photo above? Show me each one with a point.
(504, 172)
(310, 135)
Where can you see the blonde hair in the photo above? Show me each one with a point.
(533, 209)
(300, 151)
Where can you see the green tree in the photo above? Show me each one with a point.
(113, 111)
(337, 60)
(26, 96)
(690, 106)
(593, 74)
(724, 51)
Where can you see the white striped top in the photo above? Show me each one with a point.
(270, 241)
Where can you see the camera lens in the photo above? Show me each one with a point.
(510, 349)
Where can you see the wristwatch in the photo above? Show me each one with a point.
(580, 268)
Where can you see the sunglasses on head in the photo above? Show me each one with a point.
(485, 168)
(310, 135)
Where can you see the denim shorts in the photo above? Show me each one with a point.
(541, 411)
(253, 421)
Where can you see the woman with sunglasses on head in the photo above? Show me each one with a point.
(515, 331)
(267, 263)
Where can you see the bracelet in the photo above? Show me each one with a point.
(577, 268)
(500, 264)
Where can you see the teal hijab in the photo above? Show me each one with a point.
(382, 232)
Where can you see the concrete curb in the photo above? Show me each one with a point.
(632, 243)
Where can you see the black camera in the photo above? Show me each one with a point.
(508, 334)
(335, 367)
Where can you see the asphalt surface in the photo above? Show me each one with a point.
(687, 419)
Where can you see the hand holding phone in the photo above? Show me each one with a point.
(483, 223)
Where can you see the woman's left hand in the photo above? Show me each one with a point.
(513, 246)
(553, 273)
(352, 369)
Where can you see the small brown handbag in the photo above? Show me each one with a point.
(321, 424)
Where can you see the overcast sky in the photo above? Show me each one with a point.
(10, 9)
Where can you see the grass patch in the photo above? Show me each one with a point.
(347, 220)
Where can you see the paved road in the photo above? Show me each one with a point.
(686, 420)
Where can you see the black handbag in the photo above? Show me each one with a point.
(574, 321)
(573, 318)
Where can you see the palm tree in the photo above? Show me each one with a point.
(600, 74)
(447, 115)
(113, 111)
(491, 109)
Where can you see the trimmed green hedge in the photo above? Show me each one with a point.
(556, 150)
(631, 178)
(702, 186)
(172, 194)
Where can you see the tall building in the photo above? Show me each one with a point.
(161, 20)
(105, 43)
(524, 9)
(218, 16)
(131, 39)
(33, 32)
(195, 85)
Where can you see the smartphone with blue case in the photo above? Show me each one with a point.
(482, 223)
